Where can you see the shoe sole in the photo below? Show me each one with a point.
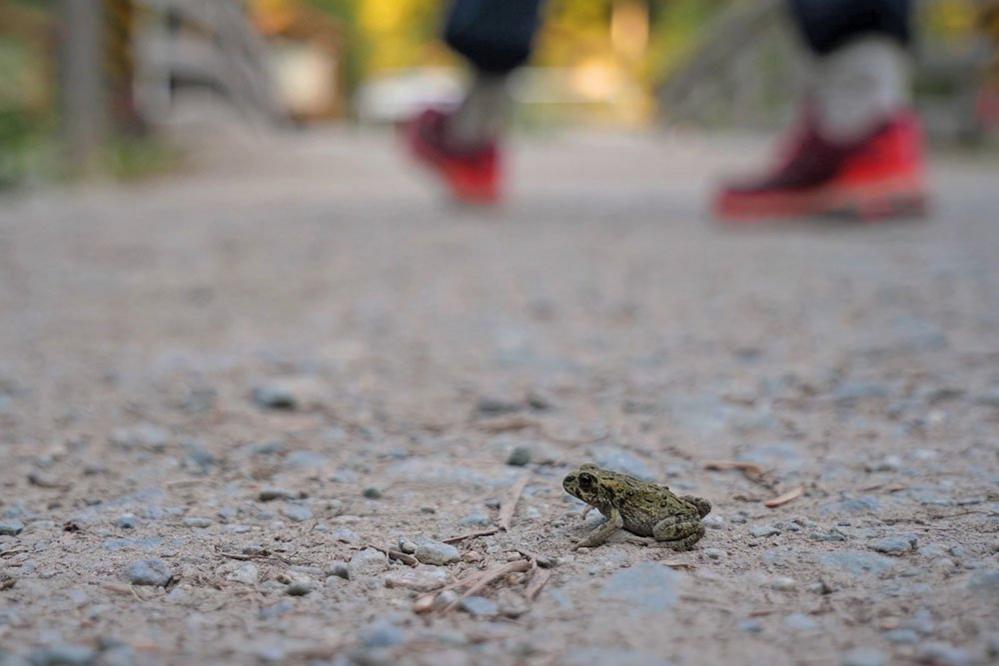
(897, 198)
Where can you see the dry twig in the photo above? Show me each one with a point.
(508, 507)
(789, 496)
(396, 555)
(486, 577)
(462, 537)
(541, 576)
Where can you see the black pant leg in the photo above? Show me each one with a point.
(829, 24)
(496, 36)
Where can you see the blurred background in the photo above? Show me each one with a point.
(97, 86)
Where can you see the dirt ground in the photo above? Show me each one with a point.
(236, 382)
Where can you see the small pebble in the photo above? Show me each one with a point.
(297, 513)
(762, 531)
(476, 520)
(488, 406)
(750, 626)
(372, 493)
(783, 583)
(944, 654)
(155, 573)
(11, 527)
(126, 522)
(715, 553)
(800, 622)
(479, 606)
(421, 579)
(197, 522)
(895, 545)
(382, 634)
(435, 552)
(863, 657)
(247, 573)
(275, 396)
(271, 494)
(445, 599)
(347, 535)
(520, 456)
(902, 636)
(368, 561)
(298, 588)
(340, 570)
(713, 522)
(63, 655)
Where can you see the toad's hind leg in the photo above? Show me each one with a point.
(703, 506)
(678, 532)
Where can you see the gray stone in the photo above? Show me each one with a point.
(146, 436)
(276, 395)
(477, 520)
(856, 505)
(588, 656)
(11, 527)
(761, 531)
(275, 611)
(713, 522)
(902, 636)
(298, 513)
(63, 655)
(853, 392)
(715, 553)
(831, 535)
(479, 606)
(307, 460)
(800, 622)
(886, 464)
(340, 570)
(783, 583)
(247, 573)
(423, 578)
(298, 588)
(347, 535)
(856, 562)
(989, 397)
(647, 586)
(197, 522)
(127, 521)
(944, 654)
(429, 551)
(382, 634)
(368, 562)
(490, 406)
(750, 626)
(985, 584)
(520, 456)
(271, 494)
(155, 573)
(119, 655)
(372, 493)
(895, 545)
(863, 657)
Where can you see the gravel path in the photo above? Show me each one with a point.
(222, 393)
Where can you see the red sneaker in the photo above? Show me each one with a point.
(882, 176)
(472, 177)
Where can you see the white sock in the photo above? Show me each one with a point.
(483, 115)
(859, 86)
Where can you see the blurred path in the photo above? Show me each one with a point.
(859, 361)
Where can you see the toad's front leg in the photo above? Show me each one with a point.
(679, 532)
(601, 534)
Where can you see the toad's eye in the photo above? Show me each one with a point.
(587, 481)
